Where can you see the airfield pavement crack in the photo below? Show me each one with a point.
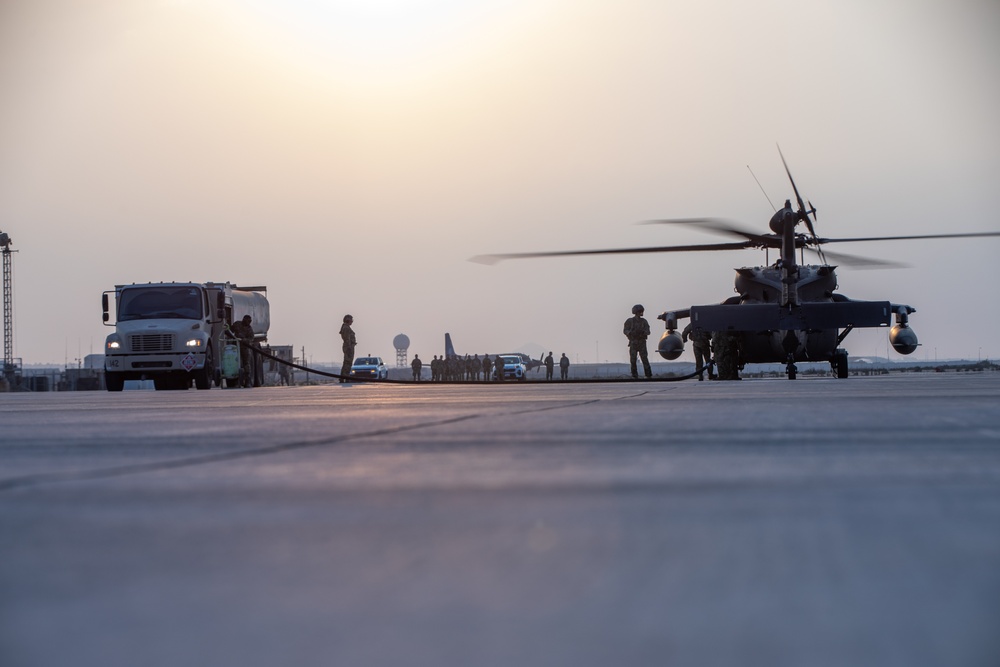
(42, 479)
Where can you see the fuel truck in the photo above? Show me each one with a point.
(175, 333)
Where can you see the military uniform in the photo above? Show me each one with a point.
(549, 365)
(487, 367)
(725, 346)
(416, 365)
(701, 343)
(564, 367)
(243, 331)
(350, 342)
(636, 329)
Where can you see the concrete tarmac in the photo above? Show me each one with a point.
(763, 522)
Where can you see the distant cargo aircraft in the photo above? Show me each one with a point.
(529, 363)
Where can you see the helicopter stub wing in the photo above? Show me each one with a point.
(804, 317)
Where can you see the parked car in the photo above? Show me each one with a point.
(513, 368)
(369, 367)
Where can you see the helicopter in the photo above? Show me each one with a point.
(785, 312)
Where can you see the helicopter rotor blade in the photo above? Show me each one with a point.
(798, 197)
(717, 225)
(906, 238)
(493, 259)
(856, 261)
(803, 211)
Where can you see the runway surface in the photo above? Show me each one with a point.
(814, 522)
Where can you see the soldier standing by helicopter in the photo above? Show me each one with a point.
(636, 329)
(725, 346)
(701, 342)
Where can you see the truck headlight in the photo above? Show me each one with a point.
(194, 342)
(113, 342)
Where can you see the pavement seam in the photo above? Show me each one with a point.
(43, 479)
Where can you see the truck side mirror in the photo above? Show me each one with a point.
(220, 305)
(104, 304)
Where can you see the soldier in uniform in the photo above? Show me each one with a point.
(563, 367)
(350, 342)
(725, 347)
(487, 367)
(636, 329)
(701, 341)
(416, 365)
(549, 365)
(243, 331)
(475, 367)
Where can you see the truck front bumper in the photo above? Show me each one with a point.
(154, 362)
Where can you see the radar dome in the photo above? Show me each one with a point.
(401, 342)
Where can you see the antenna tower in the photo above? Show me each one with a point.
(8, 316)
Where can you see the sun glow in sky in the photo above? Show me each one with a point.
(371, 42)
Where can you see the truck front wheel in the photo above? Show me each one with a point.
(114, 381)
(203, 378)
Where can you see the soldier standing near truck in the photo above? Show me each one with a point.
(350, 342)
(243, 331)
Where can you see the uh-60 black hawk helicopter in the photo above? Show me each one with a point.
(786, 312)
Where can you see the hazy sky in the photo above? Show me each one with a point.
(353, 154)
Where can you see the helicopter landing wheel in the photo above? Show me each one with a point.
(840, 365)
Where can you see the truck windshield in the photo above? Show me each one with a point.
(147, 303)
